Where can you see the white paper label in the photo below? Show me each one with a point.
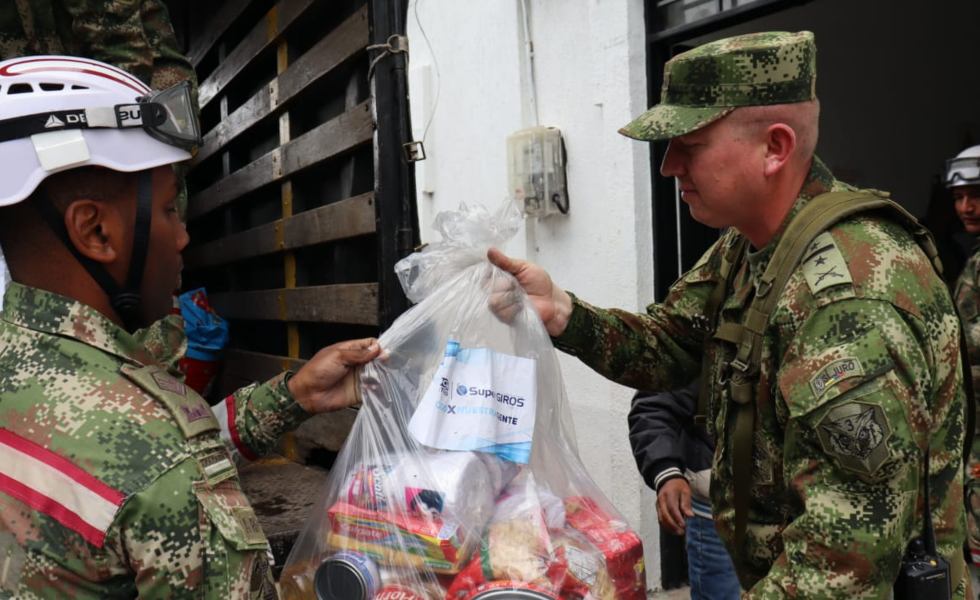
(479, 400)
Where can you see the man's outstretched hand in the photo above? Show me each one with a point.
(553, 304)
(325, 383)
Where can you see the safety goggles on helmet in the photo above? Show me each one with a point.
(166, 115)
(963, 171)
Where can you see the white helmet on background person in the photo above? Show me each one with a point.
(63, 112)
(964, 168)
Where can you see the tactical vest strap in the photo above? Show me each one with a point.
(957, 567)
(730, 261)
(815, 217)
(729, 332)
(742, 463)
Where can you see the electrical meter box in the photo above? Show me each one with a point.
(536, 171)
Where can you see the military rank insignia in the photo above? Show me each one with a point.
(824, 265)
(169, 383)
(856, 434)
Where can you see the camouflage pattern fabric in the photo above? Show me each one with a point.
(166, 340)
(706, 83)
(134, 35)
(860, 370)
(967, 296)
(114, 479)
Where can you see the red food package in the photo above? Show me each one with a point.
(471, 577)
(620, 545)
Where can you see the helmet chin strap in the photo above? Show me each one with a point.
(126, 299)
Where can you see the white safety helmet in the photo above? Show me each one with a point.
(62, 112)
(964, 169)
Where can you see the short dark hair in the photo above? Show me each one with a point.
(93, 183)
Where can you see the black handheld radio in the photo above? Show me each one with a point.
(924, 575)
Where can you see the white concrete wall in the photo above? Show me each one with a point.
(590, 80)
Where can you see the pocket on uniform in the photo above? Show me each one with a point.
(226, 507)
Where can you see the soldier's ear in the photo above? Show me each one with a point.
(94, 227)
(780, 145)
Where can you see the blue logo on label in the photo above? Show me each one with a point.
(461, 390)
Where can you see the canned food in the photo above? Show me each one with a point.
(511, 590)
(347, 576)
(398, 592)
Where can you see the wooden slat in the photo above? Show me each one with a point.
(256, 109)
(354, 303)
(245, 366)
(216, 26)
(265, 32)
(336, 48)
(347, 218)
(336, 136)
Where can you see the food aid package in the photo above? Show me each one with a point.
(460, 479)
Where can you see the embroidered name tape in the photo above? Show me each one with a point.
(837, 371)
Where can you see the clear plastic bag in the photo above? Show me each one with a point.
(460, 479)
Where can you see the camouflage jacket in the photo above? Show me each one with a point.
(967, 296)
(115, 478)
(134, 35)
(860, 370)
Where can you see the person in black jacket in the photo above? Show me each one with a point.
(674, 456)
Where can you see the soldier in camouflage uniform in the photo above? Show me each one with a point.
(963, 181)
(116, 479)
(859, 367)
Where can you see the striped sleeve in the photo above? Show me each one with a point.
(54, 486)
(666, 475)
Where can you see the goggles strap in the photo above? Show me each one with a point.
(122, 116)
(141, 232)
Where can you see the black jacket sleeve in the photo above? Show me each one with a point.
(664, 437)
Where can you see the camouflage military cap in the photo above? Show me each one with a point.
(704, 84)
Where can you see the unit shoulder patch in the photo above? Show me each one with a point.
(823, 264)
(856, 434)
